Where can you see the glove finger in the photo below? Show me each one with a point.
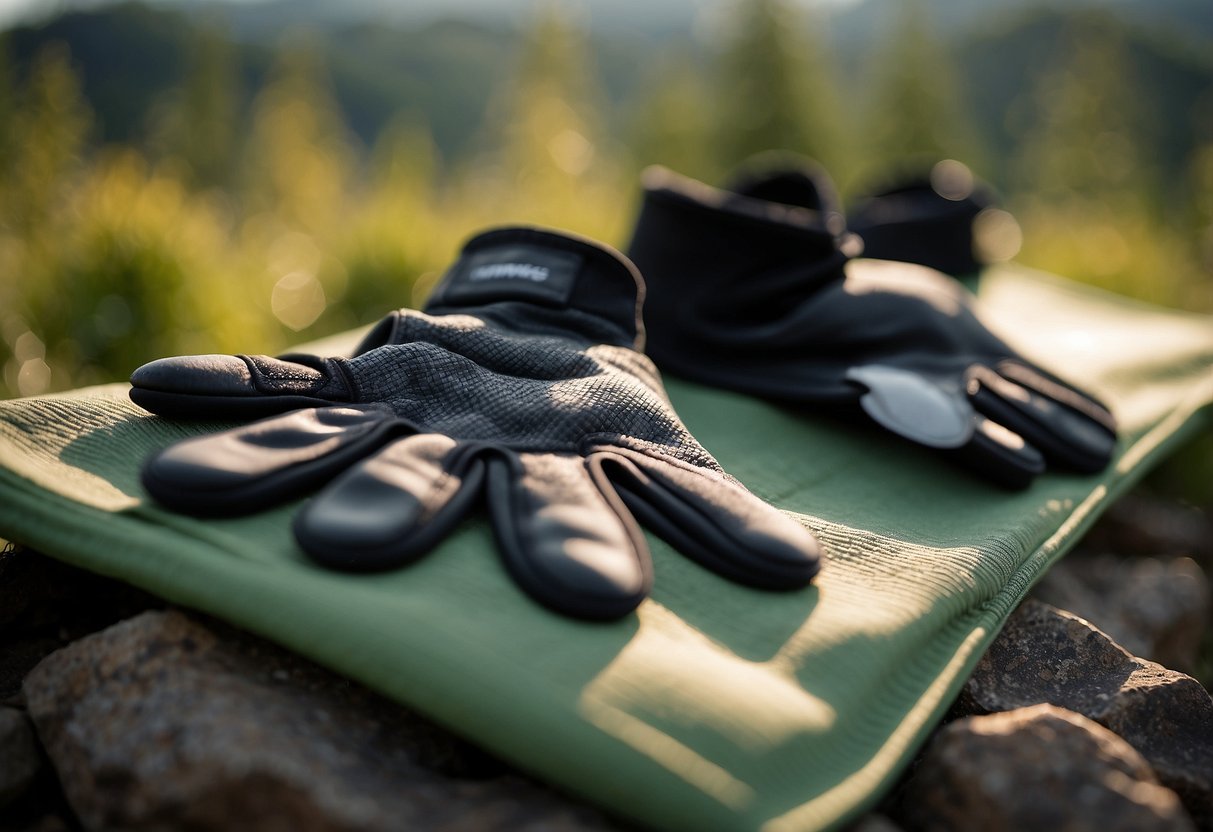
(236, 386)
(936, 413)
(393, 507)
(712, 519)
(1071, 429)
(571, 546)
(999, 455)
(267, 462)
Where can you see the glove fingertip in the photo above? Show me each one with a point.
(1002, 456)
(1091, 446)
(227, 375)
(183, 478)
(791, 551)
(579, 589)
(1070, 429)
(192, 386)
(567, 543)
(391, 509)
(714, 521)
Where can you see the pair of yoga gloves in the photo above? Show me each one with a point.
(524, 380)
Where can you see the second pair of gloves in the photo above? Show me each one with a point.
(760, 288)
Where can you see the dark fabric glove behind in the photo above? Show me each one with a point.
(762, 297)
(942, 216)
(521, 382)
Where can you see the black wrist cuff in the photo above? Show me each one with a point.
(724, 268)
(926, 219)
(549, 269)
(721, 235)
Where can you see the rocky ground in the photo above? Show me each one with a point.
(118, 712)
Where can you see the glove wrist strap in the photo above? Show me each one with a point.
(512, 268)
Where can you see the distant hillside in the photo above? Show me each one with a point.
(861, 21)
(129, 55)
(1174, 80)
(125, 55)
(852, 21)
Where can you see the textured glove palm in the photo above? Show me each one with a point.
(521, 385)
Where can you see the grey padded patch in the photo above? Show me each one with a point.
(915, 407)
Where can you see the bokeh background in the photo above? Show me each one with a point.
(204, 176)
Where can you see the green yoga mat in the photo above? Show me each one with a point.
(715, 706)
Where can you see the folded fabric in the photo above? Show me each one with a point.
(713, 706)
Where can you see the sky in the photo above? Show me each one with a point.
(16, 12)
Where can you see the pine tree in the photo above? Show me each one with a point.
(1201, 179)
(1089, 188)
(774, 90)
(1089, 135)
(47, 135)
(916, 112)
(672, 123)
(546, 157)
(544, 124)
(397, 231)
(300, 164)
(8, 111)
(300, 152)
(198, 125)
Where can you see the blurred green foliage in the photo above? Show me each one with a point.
(248, 205)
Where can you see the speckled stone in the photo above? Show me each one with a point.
(1046, 655)
(20, 761)
(1036, 768)
(162, 722)
(1157, 608)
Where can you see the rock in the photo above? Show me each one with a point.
(49, 823)
(38, 593)
(19, 653)
(873, 823)
(1138, 524)
(164, 722)
(1036, 768)
(1045, 655)
(45, 604)
(20, 761)
(1156, 608)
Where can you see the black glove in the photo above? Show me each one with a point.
(944, 218)
(521, 382)
(762, 297)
